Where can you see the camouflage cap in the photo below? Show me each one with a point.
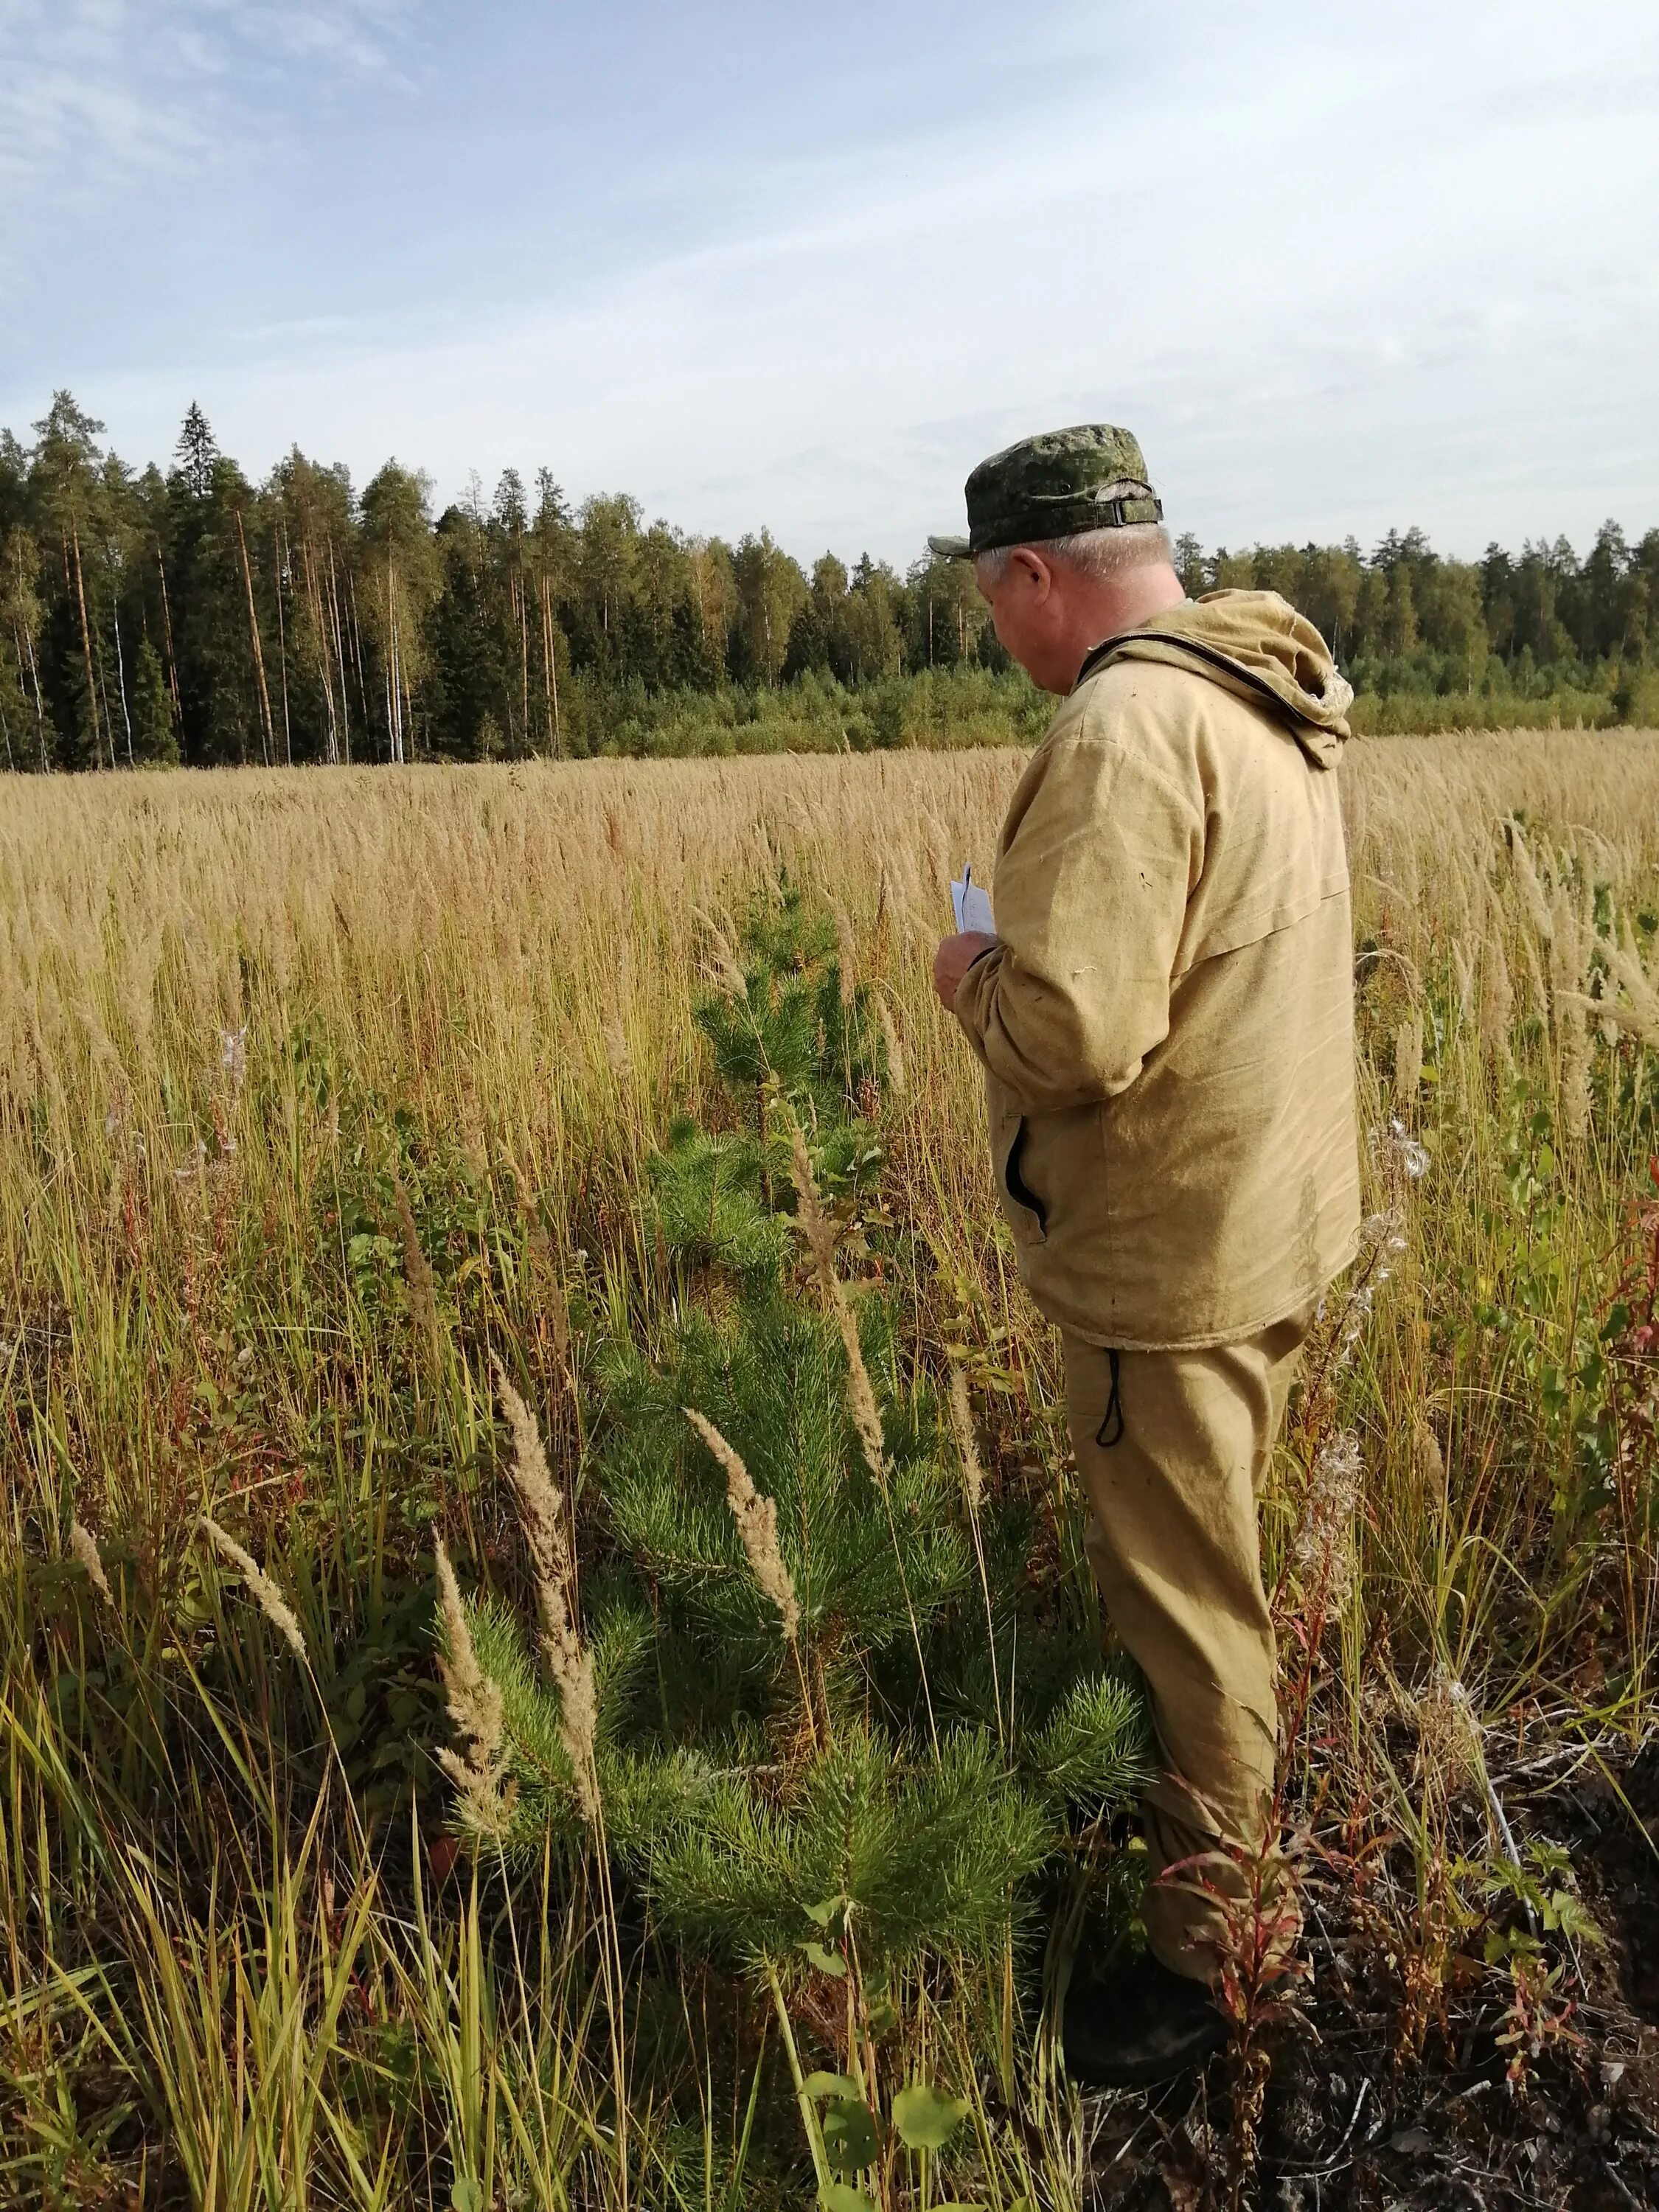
(1090, 477)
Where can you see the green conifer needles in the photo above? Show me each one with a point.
(817, 1704)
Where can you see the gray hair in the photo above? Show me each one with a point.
(1102, 554)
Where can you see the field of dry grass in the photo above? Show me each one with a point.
(317, 1091)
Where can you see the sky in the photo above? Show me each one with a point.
(1340, 267)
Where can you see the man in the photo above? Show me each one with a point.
(1165, 1019)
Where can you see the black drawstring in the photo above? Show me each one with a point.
(1110, 1430)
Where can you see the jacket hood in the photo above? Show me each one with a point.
(1254, 644)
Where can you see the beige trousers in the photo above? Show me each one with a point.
(1172, 1451)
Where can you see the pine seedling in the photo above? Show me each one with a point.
(918, 1852)
(770, 1377)
(706, 1202)
(814, 1751)
(794, 1023)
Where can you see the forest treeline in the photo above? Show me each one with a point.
(193, 615)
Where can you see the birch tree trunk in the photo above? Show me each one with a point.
(166, 632)
(339, 652)
(319, 631)
(524, 644)
(26, 650)
(103, 693)
(549, 663)
(357, 644)
(86, 636)
(282, 563)
(268, 734)
(394, 695)
(121, 680)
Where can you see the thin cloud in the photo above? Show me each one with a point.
(99, 97)
(1339, 271)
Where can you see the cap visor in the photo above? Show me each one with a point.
(950, 549)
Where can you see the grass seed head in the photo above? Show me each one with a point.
(541, 1517)
(1573, 1048)
(1448, 1734)
(1532, 890)
(619, 1058)
(724, 970)
(962, 1427)
(475, 1709)
(265, 1593)
(758, 1524)
(83, 1548)
(1634, 1005)
(1497, 992)
(1463, 968)
(1430, 1460)
(1540, 997)
(894, 1052)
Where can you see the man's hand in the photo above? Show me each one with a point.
(954, 956)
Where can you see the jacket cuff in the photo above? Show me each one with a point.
(979, 979)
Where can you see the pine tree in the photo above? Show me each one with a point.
(802, 1619)
(65, 481)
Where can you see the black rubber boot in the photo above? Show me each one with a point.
(1144, 2027)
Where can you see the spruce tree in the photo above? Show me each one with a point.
(196, 452)
(155, 738)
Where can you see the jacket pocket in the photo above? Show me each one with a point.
(1027, 1214)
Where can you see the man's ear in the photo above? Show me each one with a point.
(1041, 576)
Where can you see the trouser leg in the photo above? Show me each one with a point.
(1171, 1481)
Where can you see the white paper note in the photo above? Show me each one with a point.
(972, 905)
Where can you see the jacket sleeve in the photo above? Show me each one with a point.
(1097, 866)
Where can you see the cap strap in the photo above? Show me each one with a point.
(1118, 513)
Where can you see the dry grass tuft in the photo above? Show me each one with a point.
(418, 1268)
(1326, 1553)
(894, 1050)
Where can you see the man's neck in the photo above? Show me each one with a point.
(1125, 603)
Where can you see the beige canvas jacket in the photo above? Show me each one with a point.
(1166, 1021)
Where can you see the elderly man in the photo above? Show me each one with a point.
(1165, 1020)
